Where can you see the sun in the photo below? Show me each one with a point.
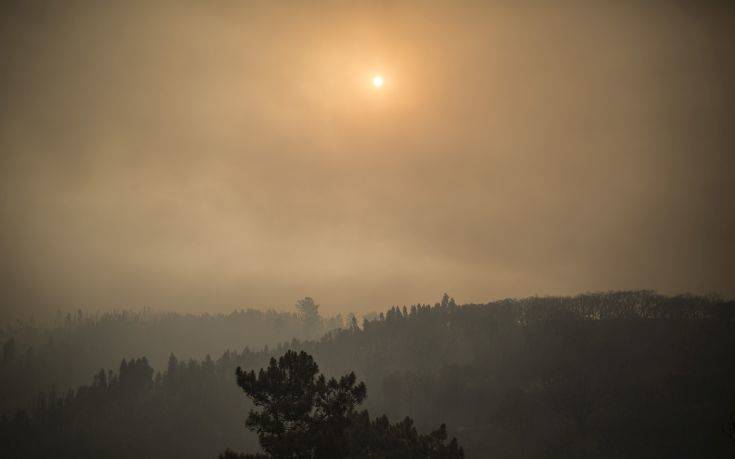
(378, 81)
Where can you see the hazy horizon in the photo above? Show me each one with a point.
(202, 158)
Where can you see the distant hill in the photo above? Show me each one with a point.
(619, 374)
(64, 354)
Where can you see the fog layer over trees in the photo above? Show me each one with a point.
(620, 374)
(64, 353)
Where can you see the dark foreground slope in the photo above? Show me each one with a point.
(625, 374)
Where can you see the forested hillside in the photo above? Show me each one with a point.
(63, 354)
(622, 374)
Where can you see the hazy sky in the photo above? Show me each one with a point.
(210, 155)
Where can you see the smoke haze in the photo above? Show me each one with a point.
(200, 157)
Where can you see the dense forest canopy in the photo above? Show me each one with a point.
(619, 374)
(75, 345)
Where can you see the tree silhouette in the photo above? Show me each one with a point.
(301, 414)
(309, 312)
